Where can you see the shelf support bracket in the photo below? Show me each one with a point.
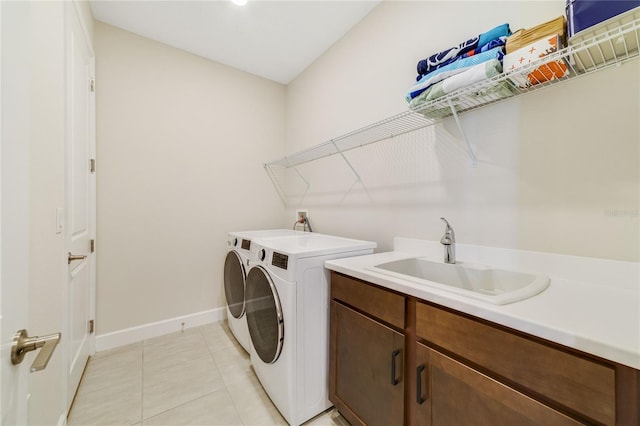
(474, 160)
(347, 161)
(280, 189)
(306, 182)
(275, 183)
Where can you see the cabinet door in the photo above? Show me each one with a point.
(460, 395)
(366, 368)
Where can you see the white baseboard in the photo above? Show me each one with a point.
(137, 334)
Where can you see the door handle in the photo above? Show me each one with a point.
(73, 257)
(22, 343)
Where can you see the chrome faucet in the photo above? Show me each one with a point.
(449, 242)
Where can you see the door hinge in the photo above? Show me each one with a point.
(92, 245)
(91, 326)
(92, 84)
(92, 165)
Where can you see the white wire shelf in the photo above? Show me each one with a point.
(611, 45)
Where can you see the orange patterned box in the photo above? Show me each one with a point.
(524, 56)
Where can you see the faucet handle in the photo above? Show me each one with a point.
(449, 227)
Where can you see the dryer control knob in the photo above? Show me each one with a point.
(262, 254)
(235, 242)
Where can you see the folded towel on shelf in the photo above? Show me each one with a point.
(432, 62)
(500, 41)
(499, 90)
(487, 94)
(496, 42)
(480, 72)
(452, 69)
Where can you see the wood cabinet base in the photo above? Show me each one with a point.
(397, 360)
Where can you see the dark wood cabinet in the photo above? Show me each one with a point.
(456, 394)
(368, 368)
(455, 369)
(367, 357)
(379, 303)
(574, 382)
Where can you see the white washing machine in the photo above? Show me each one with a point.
(287, 310)
(235, 272)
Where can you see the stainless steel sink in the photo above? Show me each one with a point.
(481, 282)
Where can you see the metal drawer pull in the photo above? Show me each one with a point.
(22, 344)
(394, 355)
(419, 371)
(73, 257)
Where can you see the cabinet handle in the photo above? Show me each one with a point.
(419, 371)
(394, 355)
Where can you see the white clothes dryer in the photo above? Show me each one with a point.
(287, 310)
(235, 273)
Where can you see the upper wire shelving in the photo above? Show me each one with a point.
(612, 45)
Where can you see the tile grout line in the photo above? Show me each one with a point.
(183, 404)
(200, 334)
(226, 387)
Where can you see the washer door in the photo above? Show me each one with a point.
(264, 315)
(234, 283)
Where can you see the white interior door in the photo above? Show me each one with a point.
(80, 189)
(14, 205)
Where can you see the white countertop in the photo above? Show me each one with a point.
(592, 305)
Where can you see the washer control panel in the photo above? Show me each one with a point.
(279, 260)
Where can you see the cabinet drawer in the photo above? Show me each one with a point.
(579, 384)
(480, 400)
(382, 304)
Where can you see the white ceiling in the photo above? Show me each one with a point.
(273, 39)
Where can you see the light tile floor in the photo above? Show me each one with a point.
(199, 377)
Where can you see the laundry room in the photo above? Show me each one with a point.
(206, 120)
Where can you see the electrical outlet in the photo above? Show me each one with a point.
(301, 214)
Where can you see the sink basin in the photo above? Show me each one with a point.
(481, 282)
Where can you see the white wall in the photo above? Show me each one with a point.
(181, 141)
(558, 169)
(180, 146)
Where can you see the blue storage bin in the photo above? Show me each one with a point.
(582, 14)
